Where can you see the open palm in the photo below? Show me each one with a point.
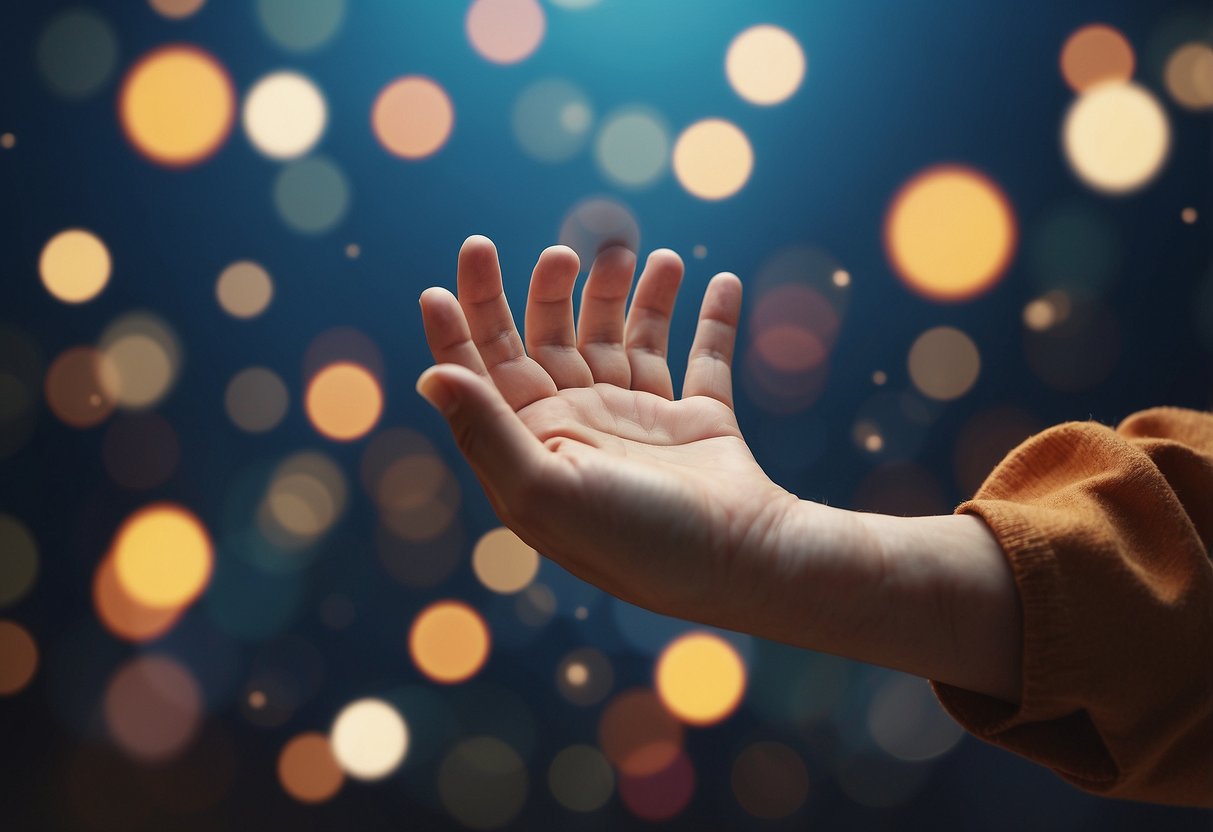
(577, 438)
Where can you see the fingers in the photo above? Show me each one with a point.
(482, 297)
(709, 367)
(600, 326)
(550, 336)
(647, 332)
(446, 331)
(504, 453)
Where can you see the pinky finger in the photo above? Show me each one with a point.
(710, 365)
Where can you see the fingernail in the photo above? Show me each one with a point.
(435, 391)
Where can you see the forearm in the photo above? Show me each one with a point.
(931, 596)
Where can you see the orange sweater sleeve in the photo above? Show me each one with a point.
(1108, 533)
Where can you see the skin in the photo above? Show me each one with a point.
(585, 452)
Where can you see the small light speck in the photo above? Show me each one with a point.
(8, 141)
(842, 278)
(256, 700)
(1189, 216)
(873, 442)
(353, 251)
(700, 252)
(879, 377)
(581, 613)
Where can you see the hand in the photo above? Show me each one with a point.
(585, 453)
(578, 440)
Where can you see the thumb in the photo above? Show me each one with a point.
(501, 449)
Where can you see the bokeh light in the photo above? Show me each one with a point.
(18, 658)
(633, 147)
(306, 496)
(369, 739)
(581, 779)
(126, 617)
(177, 9)
(256, 400)
(417, 494)
(944, 363)
(77, 53)
(638, 734)
(163, 556)
(140, 360)
(505, 31)
(584, 676)
(765, 65)
(503, 562)
(552, 120)
(344, 401)
(308, 770)
(244, 289)
(312, 195)
(1116, 137)
(713, 159)
(770, 780)
(18, 560)
(483, 782)
(301, 25)
(75, 265)
(285, 115)
(1189, 76)
(660, 795)
(598, 223)
(177, 105)
(449, 642)
(1094, 54)
(413, 117)
(700, 678)
(74, 390)
(1078, 352)
(950, 233)
(153, 707)
(907, 722)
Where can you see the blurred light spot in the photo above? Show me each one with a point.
(177, 9)
(597, 223)
(369, 739)
(505, 31)
(284, 676)
(1047, 311)
(285, 115)
(74, 390)
(581, 779)
(842, 279)
(8, 141)
(244, 289)
(77, 53)
(906, 721)
(416, 493)
(584, 676)
(353, 251)
(793, 328)
(177, 105)
(1189, 76)
(257, 701)
(75, 266)
(413, 117)
(660, 795)
(1078, 353)
(312, 195)
(482, 782)
(301, 25)
(713, 159)
(256, 400)
(944, 363)
(1094, 54)
(1074, 246)
(152, 708)
(342, 344)
(637, 734)
(124, 616)
(307, 769)
(140, 360)
(1189, 216)
(504, 563)
(880, 377)
(869, 438)
(552, 119)
(899, 418)
(449, 642)
(140, 450)
(950, 233)
(163, 556)
(770, 780)
(305, 498)
(985, 439)
(633, 147)
(344, 401)
(1116, 137)
(18, 560)
(765, 65)
(535, 605)
(699, 252)
(700, 678)
(18, 658)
